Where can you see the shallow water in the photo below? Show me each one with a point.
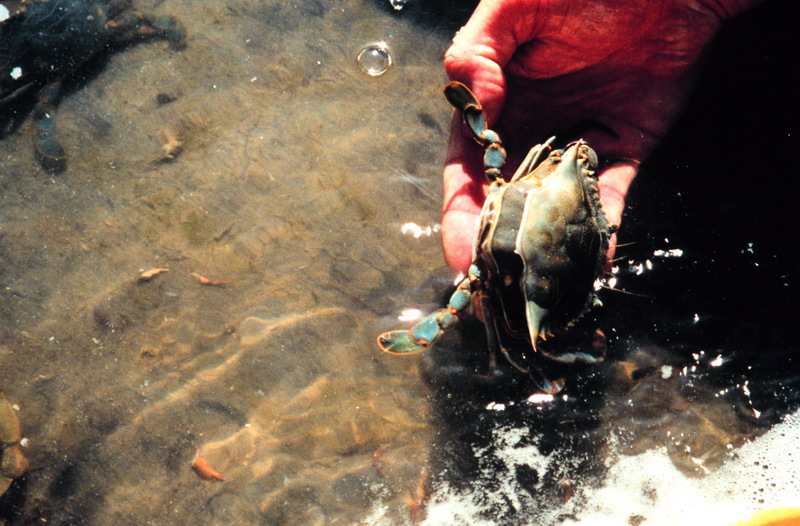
(296, 177)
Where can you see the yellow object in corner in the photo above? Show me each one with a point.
(773, 517)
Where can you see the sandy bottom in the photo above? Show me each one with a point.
(296, 174)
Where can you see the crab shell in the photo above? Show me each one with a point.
(542, 244)
(48, 39)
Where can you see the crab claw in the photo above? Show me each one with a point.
(400, 342)
(462, 99)
(552, 387)
(170, 28)
(419, 337)
(50, 154)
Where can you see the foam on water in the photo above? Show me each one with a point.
(497, 488)
(762, 474)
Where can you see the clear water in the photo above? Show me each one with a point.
(313, 190)
(375, 59)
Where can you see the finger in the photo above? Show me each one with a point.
(483, 47)
(479, 52)
(458, 232)
(614, 183)
(464, 193)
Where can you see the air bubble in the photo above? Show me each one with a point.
(375, 59)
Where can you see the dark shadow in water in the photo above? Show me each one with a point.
(13, 500)
(469, 454)
(722, 188)
(14, 111)
(442, 16)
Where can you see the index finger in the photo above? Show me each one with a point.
(464, 193)
(483, 47)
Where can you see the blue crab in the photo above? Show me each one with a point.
(540, 248)
(44, 41)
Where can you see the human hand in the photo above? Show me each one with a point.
(613, 72)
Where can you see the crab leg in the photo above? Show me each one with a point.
(430, 328)
(536, 155)
(134, 25)
(49, 152)
(465, 101)
(597, 354)
(546, 385)
(494, 343)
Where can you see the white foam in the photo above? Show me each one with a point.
(647, 485)
(496, 487)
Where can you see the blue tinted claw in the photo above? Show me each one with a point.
(420, 336)
(462, 99)
(590, 352)
(467, 103)
(551, 387)
(430, 328)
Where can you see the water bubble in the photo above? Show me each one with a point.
(375, 59)
(398, 4)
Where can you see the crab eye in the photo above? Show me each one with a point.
(591, 156)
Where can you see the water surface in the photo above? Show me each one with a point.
(297, 175)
